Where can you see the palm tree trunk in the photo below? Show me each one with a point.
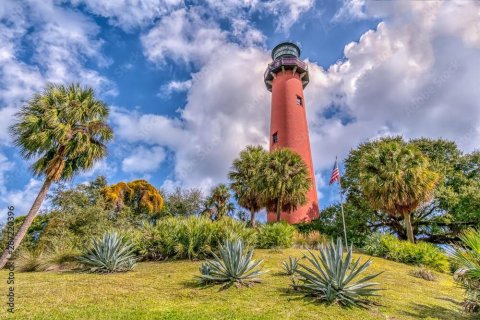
(26, 224)
(252, 217)
(279, 209)
(408, 224)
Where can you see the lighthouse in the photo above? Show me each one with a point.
(286, 77)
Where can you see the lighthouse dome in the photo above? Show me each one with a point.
(285, 49)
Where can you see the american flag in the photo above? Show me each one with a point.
(335, 173)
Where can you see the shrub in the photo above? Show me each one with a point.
(311, 240)
(189, 238)
(52, 259)
(333, 278)
(110, 253)
(30, 261)
(425, 274)
(275, 235)
(374, 245)
(290, 266)
(232, 266)
(420, 254)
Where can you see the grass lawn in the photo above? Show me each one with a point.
(167, 290)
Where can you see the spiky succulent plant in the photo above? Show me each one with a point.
(290, 266)
(205, 269)
(333, 278)
(110, 253)
(232, 266)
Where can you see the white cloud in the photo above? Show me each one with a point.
(17, 198)
(183, 36)
(5, 167)
(128, 14)
(175, 86)
(143, 160)
(415, 79)
(351, 10)
(62, 41)
(288, 11)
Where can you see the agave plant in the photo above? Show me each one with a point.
(110, 253)
(205, 269)
(467, 258)
(331, 277)
(232, 266)
(290, 266)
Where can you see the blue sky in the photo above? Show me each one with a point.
(184, 78)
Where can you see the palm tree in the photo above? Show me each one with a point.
(395, 178)
(218, 204)
(244, 176)
(466, 256)
(64, 129)
(284, 181)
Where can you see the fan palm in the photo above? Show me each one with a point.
(395, 178)
(218, 204)
(284, 181)
(244, 175)
(64, 129)
(466, 257)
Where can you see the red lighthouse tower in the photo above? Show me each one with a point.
(286, 77)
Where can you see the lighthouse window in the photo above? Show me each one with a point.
(275, 137)
(299, 101)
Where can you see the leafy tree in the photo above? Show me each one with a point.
(244, 175)
(359, 223)
(76, 215)
(183, 202)
(64, 129)
(396, 178)
(218, 204)
(284, 181)
(139, 195)
(454, 207)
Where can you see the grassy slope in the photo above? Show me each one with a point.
(166, 290)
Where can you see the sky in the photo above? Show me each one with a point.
(184, 79)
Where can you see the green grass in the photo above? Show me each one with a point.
(167, 290)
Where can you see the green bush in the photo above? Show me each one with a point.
(275, 235)
(420, 254)
(310, 240)
(189, 237)
(374, 245)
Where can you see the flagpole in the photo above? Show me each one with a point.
(341, 203)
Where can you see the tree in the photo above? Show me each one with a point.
(139, 195)
(284, 181)
(218, 204)
(456, 201)
(183, 202)
(64, 129)
(396, 178)
(244, 175)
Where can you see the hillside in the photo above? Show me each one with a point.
(167, 290)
